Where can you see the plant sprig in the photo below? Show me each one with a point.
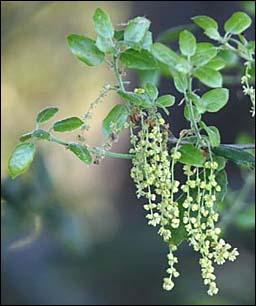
(190, 216)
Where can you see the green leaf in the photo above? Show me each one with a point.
(26, 137)
(85, 49)
(41, 134)
(216, 63)
(165, 101)
(151, 90)
(180, 81)
(246, 219)
(237, 23)
(188, 114)
(238, 156)
(197, 101)
(173, 33)
(204, 53)
(21, 159)
(68, 124)
(165, 55)
(115, 120)
(212, 33)
(213, 134)
(141, 60)
(102, 23)
(209, 77)
(190, 155)
(215, 99)
(81, 152)
(136, 29)
(46, 114)
(104, 44)
(187, 43)
(222, 180)
(141, 100)
(205, 22)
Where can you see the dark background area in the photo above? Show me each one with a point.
(86, 238)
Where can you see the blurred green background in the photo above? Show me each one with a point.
(77, 235)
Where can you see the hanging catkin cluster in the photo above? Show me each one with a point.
(200, 218)
(153, 172)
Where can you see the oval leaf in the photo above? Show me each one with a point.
(46, 114)
(136, 29)
(180, 81)
(115, 120)
(237, 23)
(188, 115)
(209, 77)
(85, 49)
(151, 90)
(190, 155)
(213, 134)
(21, 159)
(141, 60)
(68, 124)
(41, 134)
(205, 22)
(142, 100)
(204, 53)
(216, 63)
(165, 55)
(187, 43)
(165, 101)
(238, 156)
(215, 99)
(81, 152)
(102, 23)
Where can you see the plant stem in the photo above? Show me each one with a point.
(58, 141)
(117, 72)
(174, 140)
(189, 102)
(113, 154)
(231, 48)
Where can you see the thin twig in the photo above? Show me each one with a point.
(173, 140)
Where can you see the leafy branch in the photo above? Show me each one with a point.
(190, 216)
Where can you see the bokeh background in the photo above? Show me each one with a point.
(76, 235)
